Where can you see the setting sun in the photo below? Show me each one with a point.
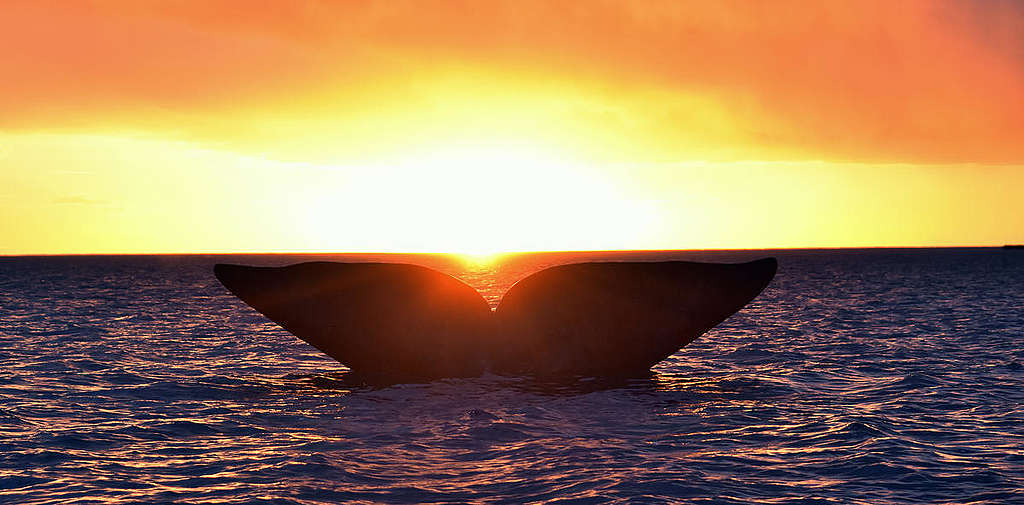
(487, 199)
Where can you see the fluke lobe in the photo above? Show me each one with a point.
(400, 322)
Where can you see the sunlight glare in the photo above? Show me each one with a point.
(478, 200)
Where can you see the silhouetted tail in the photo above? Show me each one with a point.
(407, 322)
(380, 319)
(618, 318)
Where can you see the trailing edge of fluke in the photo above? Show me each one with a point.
(402, 322)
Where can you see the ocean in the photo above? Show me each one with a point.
(875, 376)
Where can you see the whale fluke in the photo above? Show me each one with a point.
(383, 320)
(603, 319)
(406, 322)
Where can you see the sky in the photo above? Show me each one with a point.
(479, 127)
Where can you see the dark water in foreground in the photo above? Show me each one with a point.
(877, 376)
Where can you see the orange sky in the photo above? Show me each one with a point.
(130, 126)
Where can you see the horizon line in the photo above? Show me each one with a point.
(496, 253)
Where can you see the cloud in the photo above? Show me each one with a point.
(907, 81)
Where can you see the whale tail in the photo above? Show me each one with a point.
(618, 318)
(407, 322)
(382, 320)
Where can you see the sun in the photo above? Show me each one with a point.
(474, 200)
(478, 259)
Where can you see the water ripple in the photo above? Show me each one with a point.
(881, 377)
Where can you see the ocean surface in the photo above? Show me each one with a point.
(883, 376)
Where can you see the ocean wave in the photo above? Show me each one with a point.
(856, 378)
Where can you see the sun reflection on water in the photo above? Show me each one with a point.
(481, 259)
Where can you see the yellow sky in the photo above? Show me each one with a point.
(490, 126)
